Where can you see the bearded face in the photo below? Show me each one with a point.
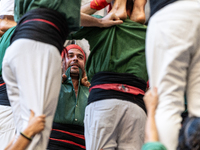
(75, 60)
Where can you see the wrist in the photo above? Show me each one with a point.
(28, 133)
(100, 22)
(26, 136)
(151, 113)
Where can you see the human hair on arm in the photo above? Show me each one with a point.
(35, 125)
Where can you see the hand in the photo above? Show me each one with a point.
(35, 124)
(110, 20)
(151, 100)
(85, 82)
(64, 77)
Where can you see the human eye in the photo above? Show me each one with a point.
(70, 55)
(80, 56)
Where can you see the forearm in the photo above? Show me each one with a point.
(89, 21)
(108, 21)
(151, 133)
(7, 22)
(22, 142)
(35, 125)
(93, 6)
(87, 10)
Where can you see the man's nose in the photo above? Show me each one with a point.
(75, 58)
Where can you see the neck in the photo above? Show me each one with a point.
(75, 81)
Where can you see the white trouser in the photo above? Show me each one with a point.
(7, 126)
(7, 7)
(32, 73)
(112, 124)
(173, 61)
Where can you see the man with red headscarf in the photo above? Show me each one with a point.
(68, 130)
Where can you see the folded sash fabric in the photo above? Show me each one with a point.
(67, 137)
(44, 25)
(125, 86)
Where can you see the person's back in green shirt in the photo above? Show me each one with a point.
(116, 67)
(64, 7)
(120, 49)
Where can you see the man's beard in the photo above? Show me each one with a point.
(74, 73)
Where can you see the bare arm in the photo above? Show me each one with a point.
(87, 10)
(109, 20)
(7, 22)
(151, 101)
(35, 125)
(20, 144)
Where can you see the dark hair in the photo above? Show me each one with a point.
(189, 136)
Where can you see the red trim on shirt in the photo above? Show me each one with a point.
(73, 134)
(119, 87)
(69, 142)
(2, 84)
(43, 20)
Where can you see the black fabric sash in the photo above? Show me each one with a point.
(121, 78)
(44, 25)
(66, 137)
(3, 93)
(156, 5)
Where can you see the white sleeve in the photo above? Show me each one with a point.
(7, 7)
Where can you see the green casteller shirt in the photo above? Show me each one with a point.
(153, 146)
(70, 9)
(4, 44)
(71, 109)
(119, 48)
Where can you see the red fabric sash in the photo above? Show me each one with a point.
(69, 142)
(73, 134)
(2, 84)
(43, 20)
(119, 87)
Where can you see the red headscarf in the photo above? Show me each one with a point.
(66, 49)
